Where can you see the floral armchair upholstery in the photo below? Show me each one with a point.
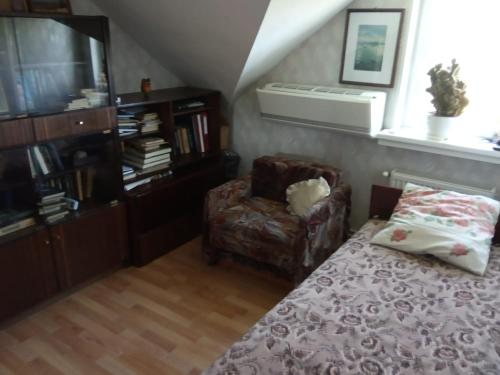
(248, 217)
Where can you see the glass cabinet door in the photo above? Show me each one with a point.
(56, 64)
(12, 101)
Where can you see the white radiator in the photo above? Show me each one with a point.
(398, 179)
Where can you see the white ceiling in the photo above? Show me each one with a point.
(220, 44)
(286, 25)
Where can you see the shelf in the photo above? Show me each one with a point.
(191, 111)
(162, 96)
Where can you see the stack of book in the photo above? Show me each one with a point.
(128, 121)
(128, 172)
(53, 206)
(127, 125)
(192, 137)
(13, 220)
(150, 122)
(147, 155)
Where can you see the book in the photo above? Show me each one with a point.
(129, 176)
(31, 164)
(132, 111)
(40, 160)
(52, 208)
(141, 161)
(150, 129)
(185, 141)
(147, 154)
(135, 184)
(56, 217)
(89, 182)
(79, 185)
(54, 155)
(144, 166)
(205, 132)
(51, 198)
(158, 167)
(149, 116)
(147, 143)
(126, 169)
(21, 224)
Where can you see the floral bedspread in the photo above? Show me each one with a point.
(372, 310)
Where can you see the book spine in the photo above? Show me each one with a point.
(185, 142)
(205, 132)
(79, 185)
(32, 165)
(40, 160)
(54, 154)
(200, 132)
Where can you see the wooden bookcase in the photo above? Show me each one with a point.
(43, 259)
(168, 211)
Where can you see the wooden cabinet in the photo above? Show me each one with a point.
(16, 133)
(90, 245)
(39, 265)
(168, 214)
(74, 123)
(27, 273)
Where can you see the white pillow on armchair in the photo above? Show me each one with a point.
(302, 195)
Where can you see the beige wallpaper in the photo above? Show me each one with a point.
(317, 61)
(130, 62)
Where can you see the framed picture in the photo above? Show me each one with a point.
(371, 46)
(49, 6)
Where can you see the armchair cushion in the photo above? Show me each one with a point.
(302, 195)
(260, 229)
(272, 175)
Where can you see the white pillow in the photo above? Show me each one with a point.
(456, 228)
(302, 195)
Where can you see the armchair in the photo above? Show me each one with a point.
(248, 217)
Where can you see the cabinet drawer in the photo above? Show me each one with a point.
(16, 133)
(74, 123)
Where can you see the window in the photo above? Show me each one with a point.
(465, 30)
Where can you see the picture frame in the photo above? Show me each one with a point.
(50, 6)
(371, 46)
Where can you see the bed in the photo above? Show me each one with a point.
(372, 310)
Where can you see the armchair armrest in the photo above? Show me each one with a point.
(327, 225)
(227, 195)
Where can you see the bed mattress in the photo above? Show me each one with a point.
(372, 310)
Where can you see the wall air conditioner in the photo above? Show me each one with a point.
(335, 108)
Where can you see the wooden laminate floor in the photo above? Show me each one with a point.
(173, 316)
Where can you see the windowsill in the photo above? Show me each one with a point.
(466, 149)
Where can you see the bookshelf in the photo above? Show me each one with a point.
(166, 211)
(62, 216)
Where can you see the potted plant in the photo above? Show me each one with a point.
(449, 99)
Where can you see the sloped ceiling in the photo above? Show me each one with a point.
(286, 25)
(220, 44)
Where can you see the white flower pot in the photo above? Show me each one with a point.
(439, 127)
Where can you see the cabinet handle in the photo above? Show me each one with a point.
(47, 242)
(80, 122)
